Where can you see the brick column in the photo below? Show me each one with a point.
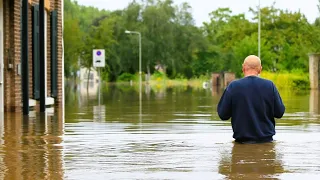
(214, 79)
(58, 7)
(17, 56)
(314, 70)
(12, 55)
(7, 13)
(51, 7)
(228, 78)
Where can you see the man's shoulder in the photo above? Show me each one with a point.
(244, 82)
(260, 79)
(233, 84)
(265, 80)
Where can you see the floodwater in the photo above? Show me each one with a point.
(166, 133)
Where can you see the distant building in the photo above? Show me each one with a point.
(84, 75)
(88, 89)
(222, 79)
(159, 67)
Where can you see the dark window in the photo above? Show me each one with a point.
(36, 52)
(54, 59)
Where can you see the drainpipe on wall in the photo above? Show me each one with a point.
(42, 57)
(24, 57)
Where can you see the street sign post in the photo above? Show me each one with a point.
(98, 58)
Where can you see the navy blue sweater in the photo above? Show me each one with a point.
(252, 103)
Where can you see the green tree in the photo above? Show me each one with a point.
(171, 38)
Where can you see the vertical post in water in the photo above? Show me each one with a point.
(24, 57)
(42, 57)
(140, 80)
(99, 94)
(259, 30)
(140, 54)
(314, 70)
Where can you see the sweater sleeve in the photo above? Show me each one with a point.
(225, 106)
(279, 107)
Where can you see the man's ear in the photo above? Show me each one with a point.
(259, 70)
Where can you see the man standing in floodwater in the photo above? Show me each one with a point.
(252, 103)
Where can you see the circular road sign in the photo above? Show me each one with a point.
(98, 53)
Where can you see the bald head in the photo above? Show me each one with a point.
(251, 65)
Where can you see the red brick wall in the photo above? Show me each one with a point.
(7, 43)
(222, 79)
(12, 42)
(17, 94)
(215, 79)
(58, 6)
(48, 54)
(228, 78)
(6, 54)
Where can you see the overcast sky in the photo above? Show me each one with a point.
(201, 8)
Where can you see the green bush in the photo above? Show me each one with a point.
(301, 82)
(125, 77)
(288, 80)
(158, 76)
(180, 76)
(105, 76)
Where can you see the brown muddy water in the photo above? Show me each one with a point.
(170, 133)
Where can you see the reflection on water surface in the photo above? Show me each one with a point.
(177, 135)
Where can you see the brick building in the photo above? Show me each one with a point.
(22, 65)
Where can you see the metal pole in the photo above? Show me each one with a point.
(140, 73)
(259, 31)
(99, 94)
(24, 58)
(99, 86)
(42, 57)
(140, 79)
